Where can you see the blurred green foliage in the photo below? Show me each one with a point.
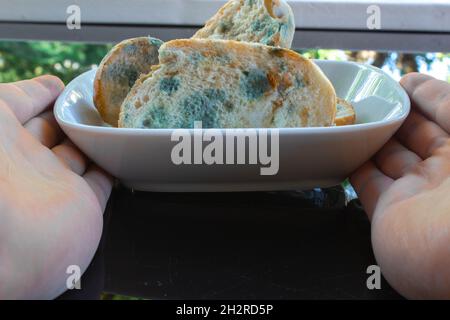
(26, 59)
(437, 64)
(113, 296)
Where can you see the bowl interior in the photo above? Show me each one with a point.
(374, 94)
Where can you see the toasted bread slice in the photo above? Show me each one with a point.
(229, 84)
(345, 113)
(119, 70)
(269, 22)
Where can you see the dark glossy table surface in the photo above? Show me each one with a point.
(262, 245)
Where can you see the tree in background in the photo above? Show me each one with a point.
(27, 59)
(24, 60)
(399, 63)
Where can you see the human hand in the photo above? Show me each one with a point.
(405, 190)
(51, 198)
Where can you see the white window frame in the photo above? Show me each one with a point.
(398, 15)
(419, 25)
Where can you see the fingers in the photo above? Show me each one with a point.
(100, 182)
(70, 155)
(394, 160)
(370, 183)
(430, 96)
(28, 98)
(45, 129)
(421, 135)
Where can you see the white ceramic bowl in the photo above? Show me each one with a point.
(308, 157)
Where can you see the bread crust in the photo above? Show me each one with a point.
(345, 113)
